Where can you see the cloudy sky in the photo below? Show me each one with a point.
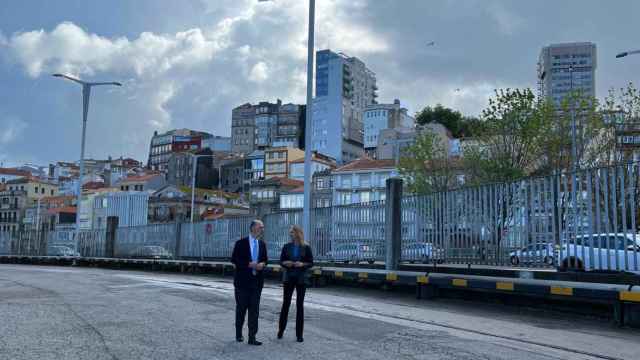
(187, 63)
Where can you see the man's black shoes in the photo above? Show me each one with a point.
(254, 342)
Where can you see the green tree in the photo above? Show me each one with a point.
(429, 168)
(454, 121)
(508, 146)
(622, 112)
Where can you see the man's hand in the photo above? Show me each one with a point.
(260, 266)
(298, 264)
(287, 263)
(252, 265)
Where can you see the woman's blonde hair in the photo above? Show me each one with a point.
(298, 234)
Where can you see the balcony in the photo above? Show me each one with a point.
(627, 128)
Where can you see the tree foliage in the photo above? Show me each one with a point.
(429, 168)
(519, 135)
(453, 120)
(515, 129)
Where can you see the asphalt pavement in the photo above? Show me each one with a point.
(90, 313)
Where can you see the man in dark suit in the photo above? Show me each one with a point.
(249, 258)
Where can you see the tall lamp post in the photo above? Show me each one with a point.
(574, 158)
(306, 212)
(86, 93)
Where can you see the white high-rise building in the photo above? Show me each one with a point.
(563, 68)
(344, 88)
(378, 117)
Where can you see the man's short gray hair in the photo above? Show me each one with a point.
(254, 223)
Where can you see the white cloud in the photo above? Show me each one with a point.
(259, 72)
(11, 129)
(508, 21)
(69, 48)
(249, 51)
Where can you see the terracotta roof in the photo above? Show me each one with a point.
(297, 190)
(57, 198)
(136, 178)
(93, 185)
(212, 214)
(29, 179)
(66, 210)
(288, 182)
(366, 164)
(11, 171)
(100, 190)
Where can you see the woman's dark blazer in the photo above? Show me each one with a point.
(294, 274)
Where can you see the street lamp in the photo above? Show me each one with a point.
(86, 93)
(574, 151)
(306, 212)
(574, 156)
(623, 54)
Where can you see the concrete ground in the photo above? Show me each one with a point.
(89, 313)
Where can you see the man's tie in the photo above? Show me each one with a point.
(254, 255)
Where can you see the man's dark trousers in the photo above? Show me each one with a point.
(247, 300)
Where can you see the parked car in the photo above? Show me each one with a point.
(534, 253)
(423, 252)
(354, 252)
(152, 252)
(601, 252)
(60, 250)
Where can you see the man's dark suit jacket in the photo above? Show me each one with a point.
(241, 258)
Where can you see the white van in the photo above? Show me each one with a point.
(601, 252)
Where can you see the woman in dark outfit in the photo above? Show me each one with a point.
(296, 259)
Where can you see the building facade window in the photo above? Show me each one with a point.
(345, 181)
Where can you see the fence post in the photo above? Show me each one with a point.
(112, 226)
(393, 223)
(44, 243)
(176, 253)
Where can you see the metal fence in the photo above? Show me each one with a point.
(358, 232)
(586, 220)
(146, 241)
(91, 243)
(212, 239)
